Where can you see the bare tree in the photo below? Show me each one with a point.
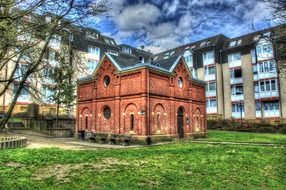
(278, 10)
(26, 29)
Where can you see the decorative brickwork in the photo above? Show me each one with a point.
(144, 102)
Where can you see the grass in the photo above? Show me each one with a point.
(15, 119)
(232, 136)
(181, 165)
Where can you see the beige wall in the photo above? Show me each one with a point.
(282, 81)
(248, 86)
(201, 73)
(227, 90)
(219, 87)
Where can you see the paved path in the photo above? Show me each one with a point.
(38, 140)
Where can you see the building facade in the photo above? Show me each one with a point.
(241, 75)
(149, 100)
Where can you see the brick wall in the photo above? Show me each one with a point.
(148, 99)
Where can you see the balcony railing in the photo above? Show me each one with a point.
(238, 97)
(235, 64)
(258, 114)
(271, 113)
(209, 77)
(266, 75)
(264, 56)
(266, 94)
(210, 93)
(208, 62)
(237, 114)
(236, 80)
(211, 110)
(24, 98)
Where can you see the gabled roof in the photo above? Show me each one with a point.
(126, 62)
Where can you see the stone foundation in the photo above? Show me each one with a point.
(126, 139)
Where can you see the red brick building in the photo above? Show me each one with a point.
(151, 101)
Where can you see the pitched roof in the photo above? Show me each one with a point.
(126, 61)
(248, 39)
(211, 41)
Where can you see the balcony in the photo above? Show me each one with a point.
(238, 97)
(235, 64)
(208, 62)
(258, 114)
(210, 93)
(55, 44)
(271, 113)
(209, 77)
(24, 98)
(264, 56)
(237, 115)
(211, 110)
(236, 80)
(266, 94)
(266, 75)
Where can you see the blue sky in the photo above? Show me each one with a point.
(165, 24)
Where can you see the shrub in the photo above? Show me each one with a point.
(268, 129)
(282, 128)
(21, 115)
(212, 124)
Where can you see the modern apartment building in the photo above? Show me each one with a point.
(241, 75)
(252, 86)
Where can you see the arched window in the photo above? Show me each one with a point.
(131, 122)
(180, 82)
(158, 121)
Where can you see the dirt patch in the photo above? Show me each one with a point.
(13, 164)
(63, 173)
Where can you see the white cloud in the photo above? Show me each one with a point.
(259, 13)
(116, 6)
(171, 8)
(185, 25)
(138, 16)
(162, 30)
(182, 21)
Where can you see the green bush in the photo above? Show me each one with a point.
(268, 129)
(212, 124)
(232, 125)
(282, 128)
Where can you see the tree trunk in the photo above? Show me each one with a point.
(21, 86)
(57, 116)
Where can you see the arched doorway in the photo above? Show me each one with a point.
(180, 122)
(197, 120)
(85, 123)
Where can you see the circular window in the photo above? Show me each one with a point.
(106, 80)
(106, 112)
(180, 82)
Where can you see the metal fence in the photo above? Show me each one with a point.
(12, 142)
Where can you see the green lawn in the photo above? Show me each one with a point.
(232, 136)
(180, 165)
